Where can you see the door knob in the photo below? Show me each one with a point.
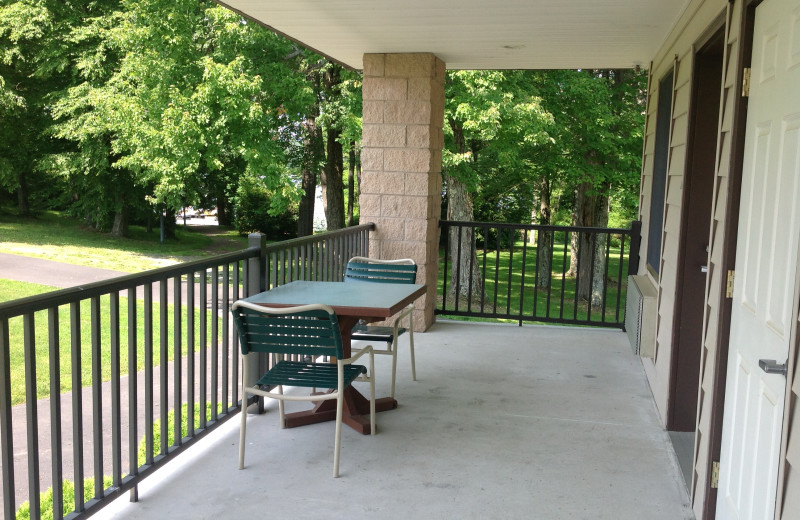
(770, 366)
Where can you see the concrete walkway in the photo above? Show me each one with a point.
(48, 272)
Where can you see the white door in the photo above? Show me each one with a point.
(766, 260)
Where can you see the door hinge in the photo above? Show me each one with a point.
(746, 82)
(714, 475)
(729, 285)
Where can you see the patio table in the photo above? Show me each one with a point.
(351, 302)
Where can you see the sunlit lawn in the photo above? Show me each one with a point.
(54, 236)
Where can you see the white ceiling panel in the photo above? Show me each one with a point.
(473, 34)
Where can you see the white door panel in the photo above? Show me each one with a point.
(766, 265)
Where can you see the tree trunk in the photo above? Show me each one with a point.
(311, 159)
(313, 152)
(224, 215)
(333, 172)
(120, 227)
(588, 249)
(333, 180)
(544, 249)
(465, 275)
(23, 203)
(351, 183)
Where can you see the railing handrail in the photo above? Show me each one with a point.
(474, 283)
(296, 242)
(505, 225)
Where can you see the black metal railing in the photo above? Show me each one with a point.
(131, 371)
(555, 274)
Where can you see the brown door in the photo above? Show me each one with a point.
(696, 221)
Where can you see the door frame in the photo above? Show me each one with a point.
(685, 363)
(728, 261)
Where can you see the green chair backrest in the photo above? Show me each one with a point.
(310, 330)
(364, 270)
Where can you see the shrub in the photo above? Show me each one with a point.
(46, 499)
(259, 210)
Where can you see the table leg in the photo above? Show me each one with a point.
(356, 406)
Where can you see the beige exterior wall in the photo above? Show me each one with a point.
(700, 18)
(401, 184)
(678, 55)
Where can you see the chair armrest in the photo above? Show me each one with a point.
(402, 314)
(351, 359)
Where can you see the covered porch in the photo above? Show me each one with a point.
(504, 422)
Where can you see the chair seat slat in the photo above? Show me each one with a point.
(309, 375)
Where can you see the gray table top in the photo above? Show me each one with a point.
(359, 299)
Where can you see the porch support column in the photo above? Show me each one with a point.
(401, 183)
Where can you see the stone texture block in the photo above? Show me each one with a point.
(384, 89)
(419, 89)
(374, 64)
(434, 205)
(370, 206)
(372, 111)
(389, 229)
(408, 112)
(419, 136)
(384, 136)
(418, 184)
(420, 229)
(440, 69)
(405, 160)
(436, 161)
(410, 65)
(385, 183)
(435, 183)
(372, 159)
(406, 207)
(403, 249)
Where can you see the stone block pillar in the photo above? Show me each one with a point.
(401, 183)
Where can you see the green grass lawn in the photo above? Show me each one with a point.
(54, 236)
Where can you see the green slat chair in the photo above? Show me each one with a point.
(371, 270)
(294, 335)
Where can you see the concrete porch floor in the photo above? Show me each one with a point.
(533, 422)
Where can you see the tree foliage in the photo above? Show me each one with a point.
(119, 110)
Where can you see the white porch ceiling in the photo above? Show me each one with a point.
(476, 34)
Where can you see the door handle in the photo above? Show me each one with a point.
(770, 366)
(703, 268)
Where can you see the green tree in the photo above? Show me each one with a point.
(596, 152)
(34, 63)
(495, 129)
(195, 100)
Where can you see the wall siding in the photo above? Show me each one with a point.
(697, 19)
(716, 278)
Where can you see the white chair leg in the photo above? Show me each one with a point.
(242, 429)
(411, 345)
(372, 427)
(337, 443)
(393, 346)
(411, 348)
(281, 408)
